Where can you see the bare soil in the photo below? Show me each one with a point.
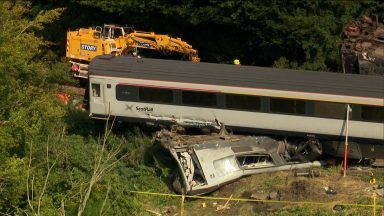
(285, 186)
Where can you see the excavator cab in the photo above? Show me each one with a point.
(112, 34)
(113, 31)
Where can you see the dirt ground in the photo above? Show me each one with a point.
(329, 187)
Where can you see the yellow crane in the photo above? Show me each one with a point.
(86, 43)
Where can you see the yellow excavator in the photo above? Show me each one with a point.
(86, 43)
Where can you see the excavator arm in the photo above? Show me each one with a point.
(85, 44)
(162, 43)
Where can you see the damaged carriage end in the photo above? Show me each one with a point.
(207, 162)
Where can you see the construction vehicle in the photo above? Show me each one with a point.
(86, 43)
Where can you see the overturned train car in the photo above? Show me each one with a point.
(207, 162)
(245, 98)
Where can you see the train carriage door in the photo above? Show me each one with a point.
(97, 98)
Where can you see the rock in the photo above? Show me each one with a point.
(380, 192)
(259, 196)
(338, 208)
(273, 195)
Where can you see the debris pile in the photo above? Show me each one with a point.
(363, 47)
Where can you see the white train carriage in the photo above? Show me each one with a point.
(244, 98)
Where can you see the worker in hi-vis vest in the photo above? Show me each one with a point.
(236, 62)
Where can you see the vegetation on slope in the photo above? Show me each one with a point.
(47, 150)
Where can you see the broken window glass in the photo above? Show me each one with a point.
(225, 166)
(255, 161)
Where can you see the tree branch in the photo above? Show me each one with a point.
(28, 174)
(103, 163)
(105, 200)
(49, 169)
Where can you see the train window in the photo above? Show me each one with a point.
(329, 110)
(371, 113)
(255, 161)
(199, 98)
(280, 105)
(242, 102)
(126, 93)
(156, 95)
(95, 90)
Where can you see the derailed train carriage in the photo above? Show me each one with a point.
(268, 101)
(207, 162)
(244, 98)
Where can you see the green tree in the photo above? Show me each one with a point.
(26, 110)
(306, 33)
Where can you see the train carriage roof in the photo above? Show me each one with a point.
(240, 76)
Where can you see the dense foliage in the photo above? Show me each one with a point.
(296, 34)
(48, 151)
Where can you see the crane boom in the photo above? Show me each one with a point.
(162, 43)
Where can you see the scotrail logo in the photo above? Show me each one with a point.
(88, 47)
(144, 109)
